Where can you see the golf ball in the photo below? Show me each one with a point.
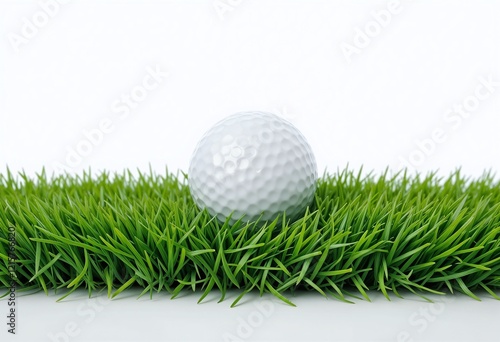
(252, 165)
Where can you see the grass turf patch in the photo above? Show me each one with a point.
(397, 233)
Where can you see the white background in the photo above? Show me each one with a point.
(453, 319)
(64, 75)
(279, 56)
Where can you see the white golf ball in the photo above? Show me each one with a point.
(253, 165)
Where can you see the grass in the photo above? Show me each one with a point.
(392, 234)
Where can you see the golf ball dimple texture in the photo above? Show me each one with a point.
(252, 164)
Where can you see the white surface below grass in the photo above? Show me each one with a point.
(126, 318)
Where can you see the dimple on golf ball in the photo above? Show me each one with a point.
(252, 165)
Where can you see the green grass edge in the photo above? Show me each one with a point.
(391, 233)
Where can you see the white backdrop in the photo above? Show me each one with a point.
(374, 83)
(124, 84)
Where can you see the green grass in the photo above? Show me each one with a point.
(392, 234)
